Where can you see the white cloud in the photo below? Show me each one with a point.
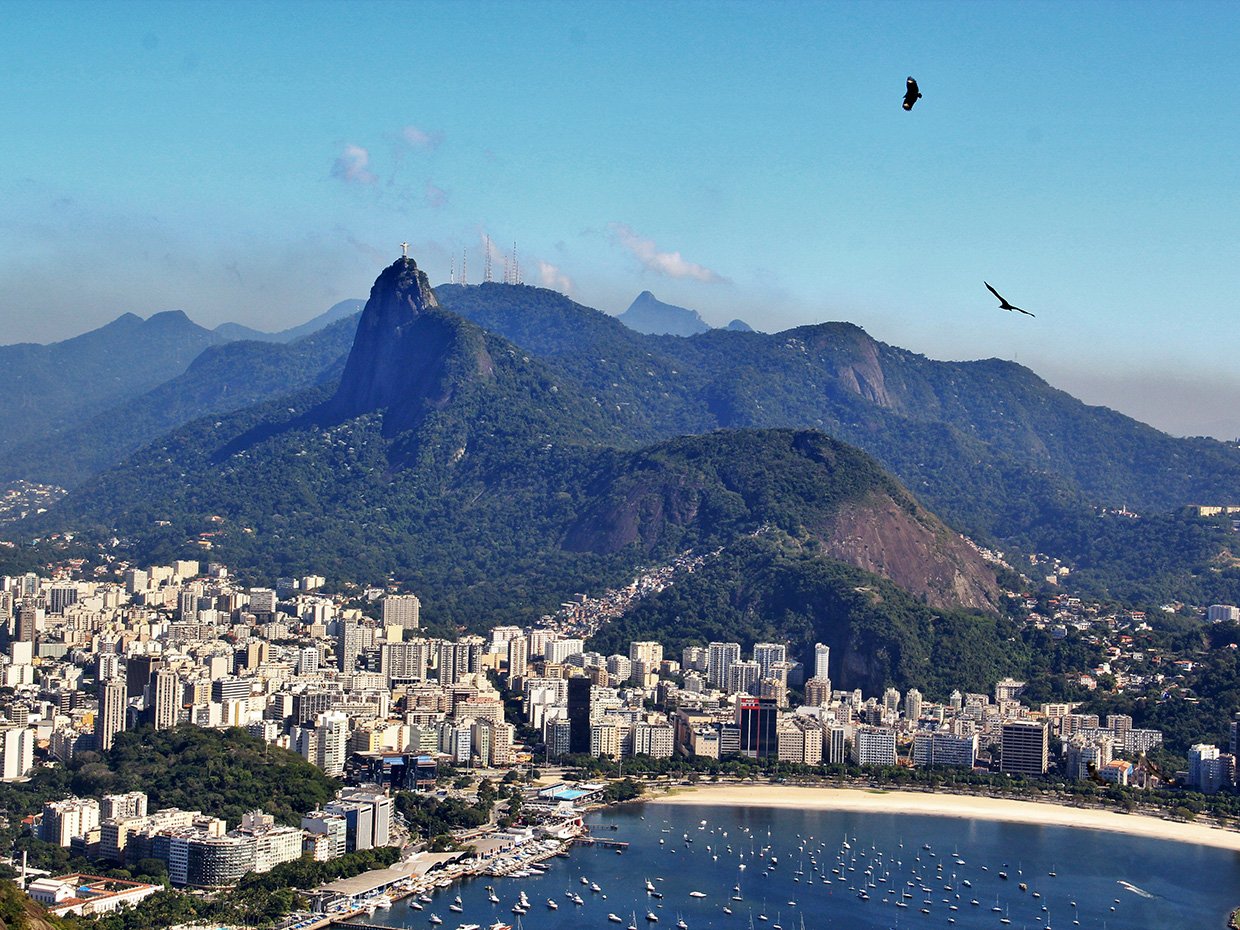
(417, 138)
(551, 276)
(353, 164)
(671, 264)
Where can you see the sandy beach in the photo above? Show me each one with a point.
(870, 800)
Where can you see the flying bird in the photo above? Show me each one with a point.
(911, 95)
(1003, 304)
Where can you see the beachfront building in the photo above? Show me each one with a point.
(874, 746)
(800, 741)
(942, 747)
(1025, 748)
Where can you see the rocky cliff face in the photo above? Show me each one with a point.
(912, 548)
(408, 357)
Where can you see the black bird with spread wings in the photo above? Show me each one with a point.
(1003, 304)
(911, 95)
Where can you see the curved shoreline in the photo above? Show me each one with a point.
(965, 806)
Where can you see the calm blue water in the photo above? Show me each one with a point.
(1176, 884)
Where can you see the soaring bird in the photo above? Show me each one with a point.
(1003, 304)
(911, 95)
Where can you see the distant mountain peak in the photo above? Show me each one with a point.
(647, 314)
(739, 326)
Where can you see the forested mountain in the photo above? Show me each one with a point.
(493, 473)
(496, 486)
(988, 444)
(67, 381)
(223, 378)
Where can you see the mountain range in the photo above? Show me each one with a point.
(499, 447)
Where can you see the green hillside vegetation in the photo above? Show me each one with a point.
(224, 773)
(19, 912)
(988, 445)
(508, 529)
(775, 589)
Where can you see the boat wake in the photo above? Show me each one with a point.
(1129, 886)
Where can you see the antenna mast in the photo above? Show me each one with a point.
(452, 271)
(464, 276)
(487, 263)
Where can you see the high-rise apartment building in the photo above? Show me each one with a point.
(110, 719)
(767, 654)
(719, 659)
(403, 610)
(167, 699)
(822, 659)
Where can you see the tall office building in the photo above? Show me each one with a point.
(719, 659)
(28, 614)
(403, 610)
(110, 719)
(138, 673)
(1025, 747)
(167, 699)
(757, 719)
(874, 746)
(404, 662)
(822, 659)
(579, 714)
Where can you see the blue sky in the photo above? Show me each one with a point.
(257, 162)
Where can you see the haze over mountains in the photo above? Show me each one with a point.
(647, 314)
(423, 453)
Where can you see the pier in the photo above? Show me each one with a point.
(599, 841)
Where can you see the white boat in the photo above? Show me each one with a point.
(594, 887)
(652, 917)
(577, 899)
(584, 880)
(614, 919)
(493, 897)
(632, 922)
(500, 925)
(455, 908)
(436, 919)
(649, 885)
(697, 894)
(415, 904)
(680, 924)
(552, 905)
